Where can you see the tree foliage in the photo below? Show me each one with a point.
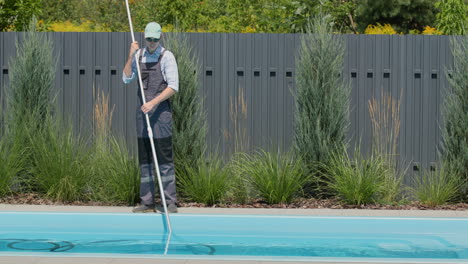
(343, 13)
(403, 15)
(453, 17)
(16, 14)
(60, 10)
(261, 16)
(269, 16)
(101, 15)
(218, 15)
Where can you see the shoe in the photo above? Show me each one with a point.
(171, 208)
(144, 209)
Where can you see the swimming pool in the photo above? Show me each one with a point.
(256, 237)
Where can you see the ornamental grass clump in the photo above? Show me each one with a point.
(114, 174)
(207, 182)
(438, 187)
(357, 180)
(274, 177)
(11, 163)
(60, 161)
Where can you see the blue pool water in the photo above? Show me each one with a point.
(234, 236)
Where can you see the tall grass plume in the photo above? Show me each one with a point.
(115, 173)
(385, 118)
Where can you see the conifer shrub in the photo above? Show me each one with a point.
(321, 96)
(454, 149)
(189, 127)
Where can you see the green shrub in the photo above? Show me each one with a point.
(208, 182)
(452, 18)
(60, 166)
(276, 177)
(29, 96)
(11, 163)
(436, 187)
(241, 191)
(115, 175)
(402, 14)
(11, 160)
(455, 115)
(356, 180)
(322, 96)
(190, 128)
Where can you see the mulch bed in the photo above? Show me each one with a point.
(39, 199)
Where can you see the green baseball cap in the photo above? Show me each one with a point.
(153, 30)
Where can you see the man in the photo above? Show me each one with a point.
(160, 81)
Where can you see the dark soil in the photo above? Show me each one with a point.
(39, 199)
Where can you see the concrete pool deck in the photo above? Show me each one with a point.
(193, 210)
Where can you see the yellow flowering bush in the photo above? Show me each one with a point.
(249, 29)
(428, 30)
(68, 26)
(379, 29)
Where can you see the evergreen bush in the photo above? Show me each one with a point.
(29, 95)
(321, 96)
(190, 128)
(455, 115)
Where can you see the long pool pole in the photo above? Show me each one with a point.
(150, 131)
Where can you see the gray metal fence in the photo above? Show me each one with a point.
(260, 68)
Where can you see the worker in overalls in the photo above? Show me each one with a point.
(160, 81)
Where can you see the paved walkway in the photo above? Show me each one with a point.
(108, 209)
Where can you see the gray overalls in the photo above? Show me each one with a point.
(161, 123)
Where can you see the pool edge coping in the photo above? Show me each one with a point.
(249, 211)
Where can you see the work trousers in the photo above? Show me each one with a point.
(161, 123)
